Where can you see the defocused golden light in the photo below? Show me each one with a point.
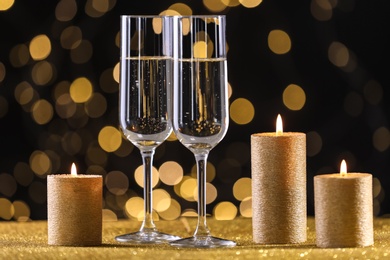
(338, 54)
(23, 174)
(42, 112)
(353, 104)
(3, 107)
(210, 172)
(373, 92)
(171, 173)
(8, 185)
(6, 4)
(24, 93)
(246, 207)
(230, 90)
(200, 50)
(22, 211)
(110, 138)
(96, 106)
(381, 139)
(66, 10)
(117, 182)
(294, 97)
(19, 55)
(173, 212)
(109, 215)
(211, 193)
(65, 107)
(42, 73)
(115, 72)
(189, 213)
(231, 3)
(6, 209)
(101, 5)
(71, 37)
(161, 200)
(187, 189)
(279, 42)
(314, 143)
(321, 9)
(181, 9)
(40, 47)
(108, 82)
(250, 3)
(376, 187)
(242, 188)
(82, 53)
(157, 25)
(81, 90)
(242, 111)
(225, 211)
(40, 163)
(135, 207)
(214, 6)
(139, 176)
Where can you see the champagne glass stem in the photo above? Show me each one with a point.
(148, 224)
(201, 227)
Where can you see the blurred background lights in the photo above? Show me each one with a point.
(6, 4)
(225, 211)
(279, 42)
(250, 3)
(110, 138)
(171, 173)
(242, 111)
(40, 47)
(381, 139)
(294, 97)
(81, 90)
(139, 176)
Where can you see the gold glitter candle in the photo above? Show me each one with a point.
(74, 209)
(343, 209)
(279, 187)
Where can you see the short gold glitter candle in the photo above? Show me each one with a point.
(74, 209)
(343, 209)
(279, 187)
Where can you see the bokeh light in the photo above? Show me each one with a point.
(279, 42)
(242, 111)
(294, 97)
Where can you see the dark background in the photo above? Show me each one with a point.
(255, 73)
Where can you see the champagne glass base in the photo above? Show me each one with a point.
(154, 237)
(203, 242)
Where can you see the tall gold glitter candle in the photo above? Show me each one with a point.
(279, 187)
(343, 209)
(74, 209)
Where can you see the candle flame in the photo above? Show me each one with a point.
(279, 125)
(343, 168)
(73, 170)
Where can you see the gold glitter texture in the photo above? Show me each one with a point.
(74, 209)
(279, 188)
(343, 210)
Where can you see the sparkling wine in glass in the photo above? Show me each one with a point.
(200, 104)
(145, 102)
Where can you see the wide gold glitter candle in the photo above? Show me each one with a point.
(343, 209)
(74, 209)
(279, 187)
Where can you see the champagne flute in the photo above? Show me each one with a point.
(145, 102)
(200, 104)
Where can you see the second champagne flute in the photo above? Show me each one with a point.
(145, 102)
(200, 117)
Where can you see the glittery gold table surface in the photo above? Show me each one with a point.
(28, 240)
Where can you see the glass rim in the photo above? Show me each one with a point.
(175, 15)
